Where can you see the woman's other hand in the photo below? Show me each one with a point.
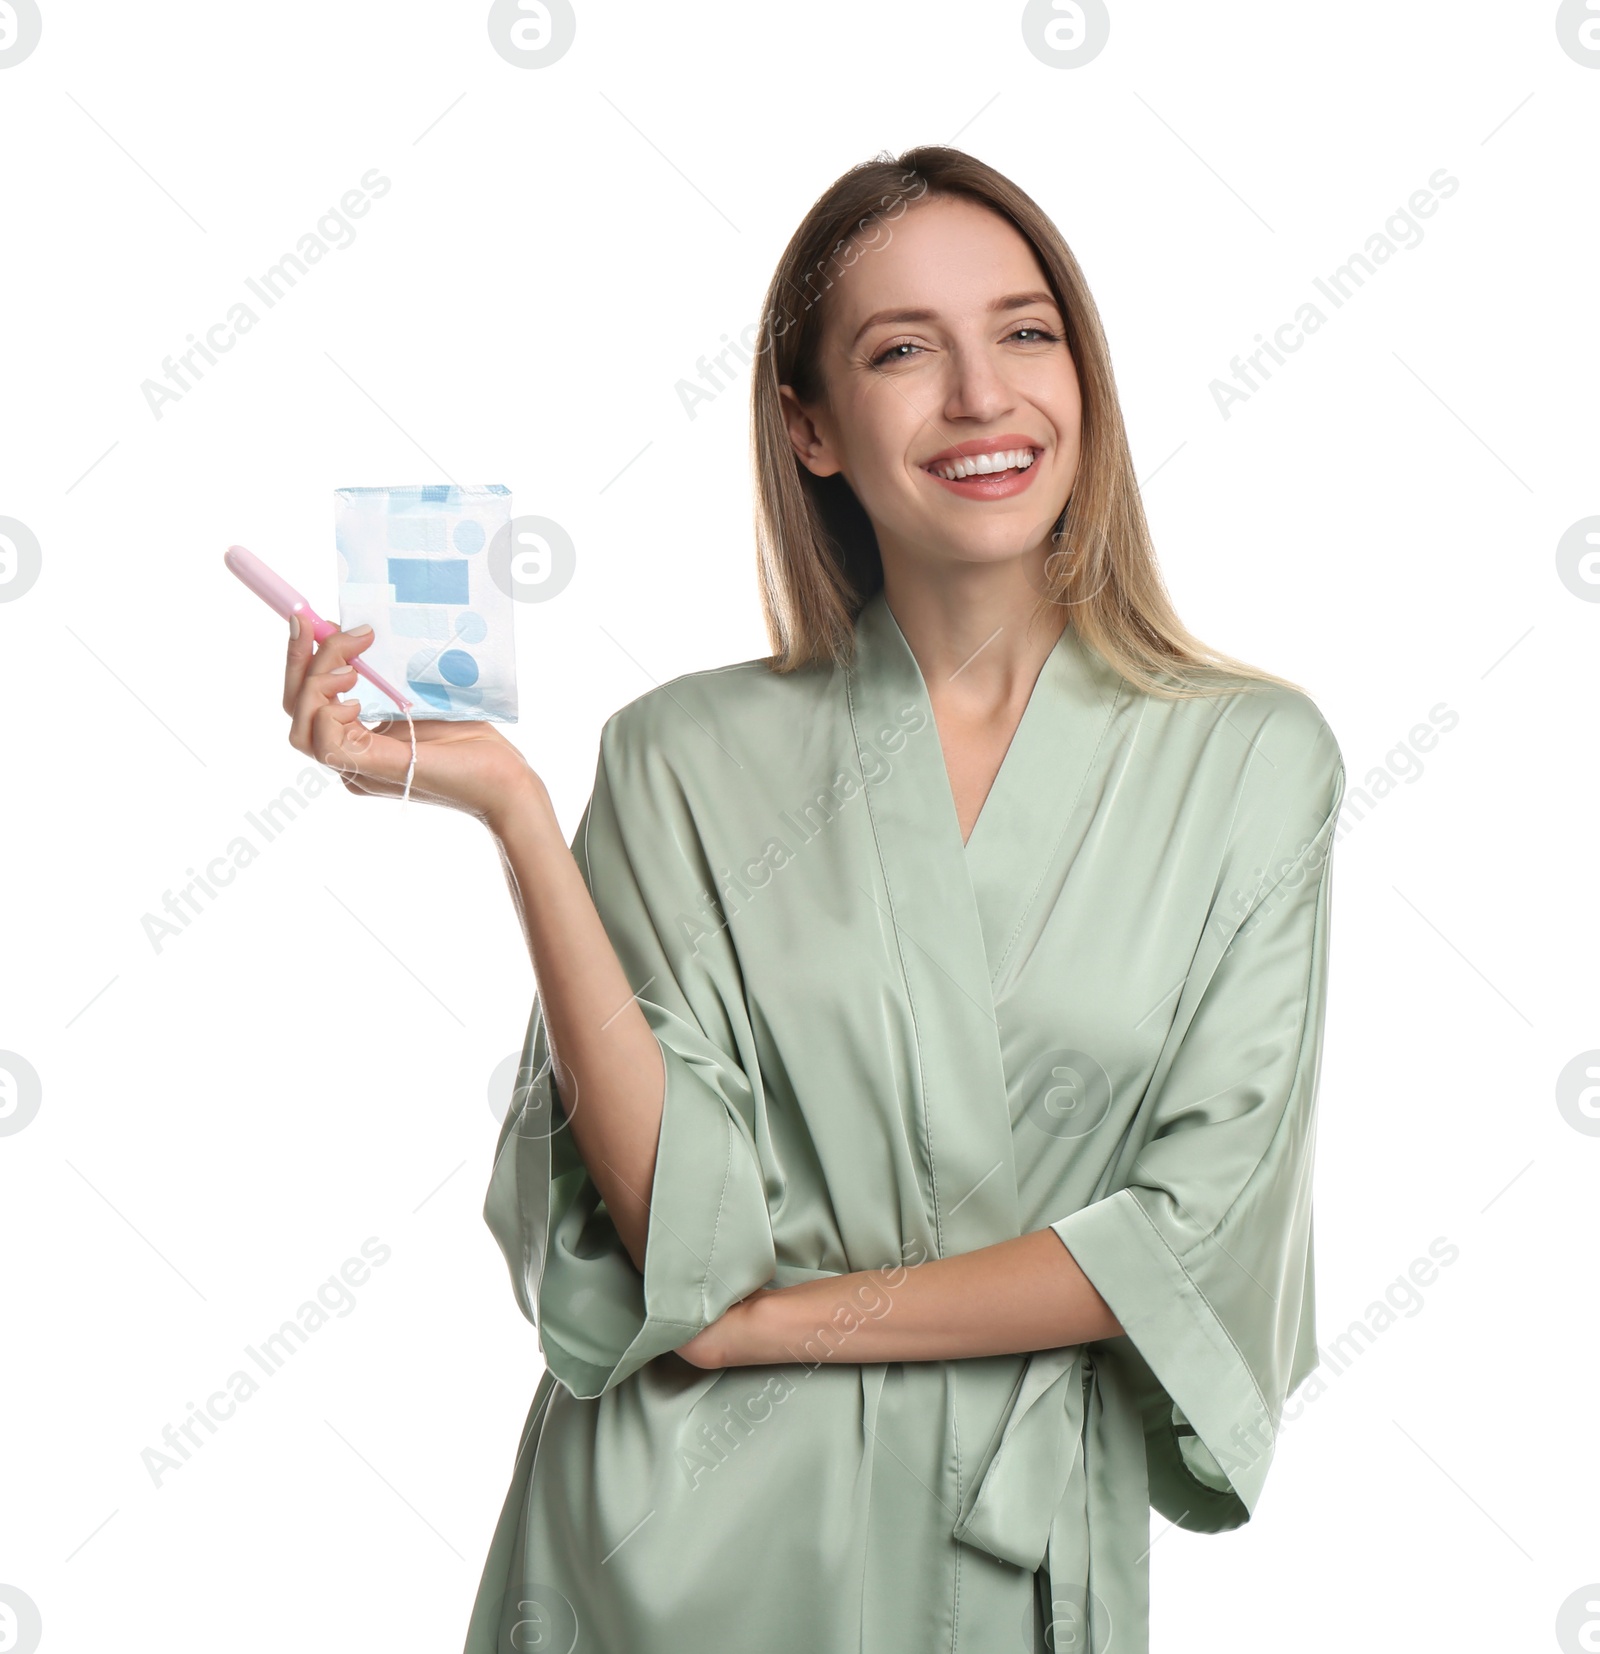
(465, 766)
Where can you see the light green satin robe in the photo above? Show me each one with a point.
(1102, 1015)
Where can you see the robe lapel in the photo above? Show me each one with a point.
(954, 906)
(1019, 833)
(971, 1178)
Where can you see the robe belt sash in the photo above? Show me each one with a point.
(1009, 1505)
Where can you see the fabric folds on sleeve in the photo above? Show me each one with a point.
(1205, 1254)
(709, 1240)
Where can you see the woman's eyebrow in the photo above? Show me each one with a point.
(1012, 301)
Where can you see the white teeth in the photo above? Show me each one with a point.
(983, 465)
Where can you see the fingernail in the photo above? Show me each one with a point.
(294, 626)
(356, 631)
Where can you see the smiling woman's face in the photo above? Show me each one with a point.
(945, 340)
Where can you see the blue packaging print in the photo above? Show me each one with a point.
(414, 564)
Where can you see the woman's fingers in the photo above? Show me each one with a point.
(319, 691)
(326, 676)
(363, 759)
(338, 737)
(305, 658)
(296, 662)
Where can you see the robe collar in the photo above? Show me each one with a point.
(956, 909)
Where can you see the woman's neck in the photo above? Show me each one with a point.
(975, 631)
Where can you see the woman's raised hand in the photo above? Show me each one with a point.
(465, 766)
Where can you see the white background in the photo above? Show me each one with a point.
(224, 1120)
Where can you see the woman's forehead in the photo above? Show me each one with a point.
(940, 260)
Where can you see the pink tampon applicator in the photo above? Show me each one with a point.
(278, 594)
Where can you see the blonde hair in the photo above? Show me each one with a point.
(817, 554)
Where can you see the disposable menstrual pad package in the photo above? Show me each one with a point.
(418, 564)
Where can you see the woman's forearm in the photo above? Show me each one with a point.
(605, 1060)
(1009, 1298)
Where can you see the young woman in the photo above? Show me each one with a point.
(910, 1177)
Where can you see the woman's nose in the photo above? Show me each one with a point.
(978, 387)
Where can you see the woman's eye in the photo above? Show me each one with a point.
(1042, 336)
(887, 352)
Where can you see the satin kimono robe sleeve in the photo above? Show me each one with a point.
(709, 1240)
(1100, 1015)
(1204, 1252)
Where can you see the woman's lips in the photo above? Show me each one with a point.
(997, 485)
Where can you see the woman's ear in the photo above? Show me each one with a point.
(807, 436)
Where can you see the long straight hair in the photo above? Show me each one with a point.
(817, 554)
